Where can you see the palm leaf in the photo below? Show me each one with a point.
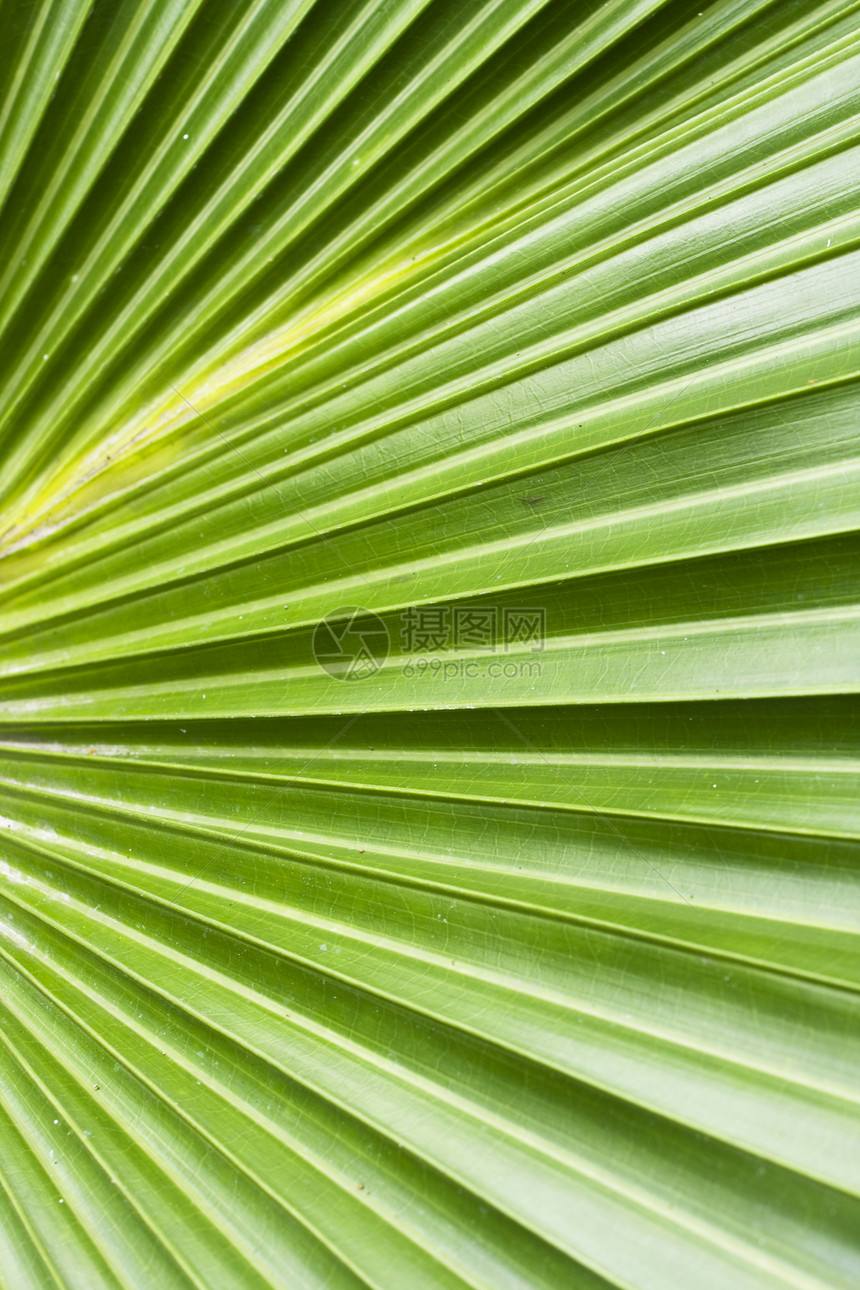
(428, 772)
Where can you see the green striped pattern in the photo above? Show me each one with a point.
(521, 962)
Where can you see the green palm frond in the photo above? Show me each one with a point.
(429, 548)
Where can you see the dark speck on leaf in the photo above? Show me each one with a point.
(532, 501)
